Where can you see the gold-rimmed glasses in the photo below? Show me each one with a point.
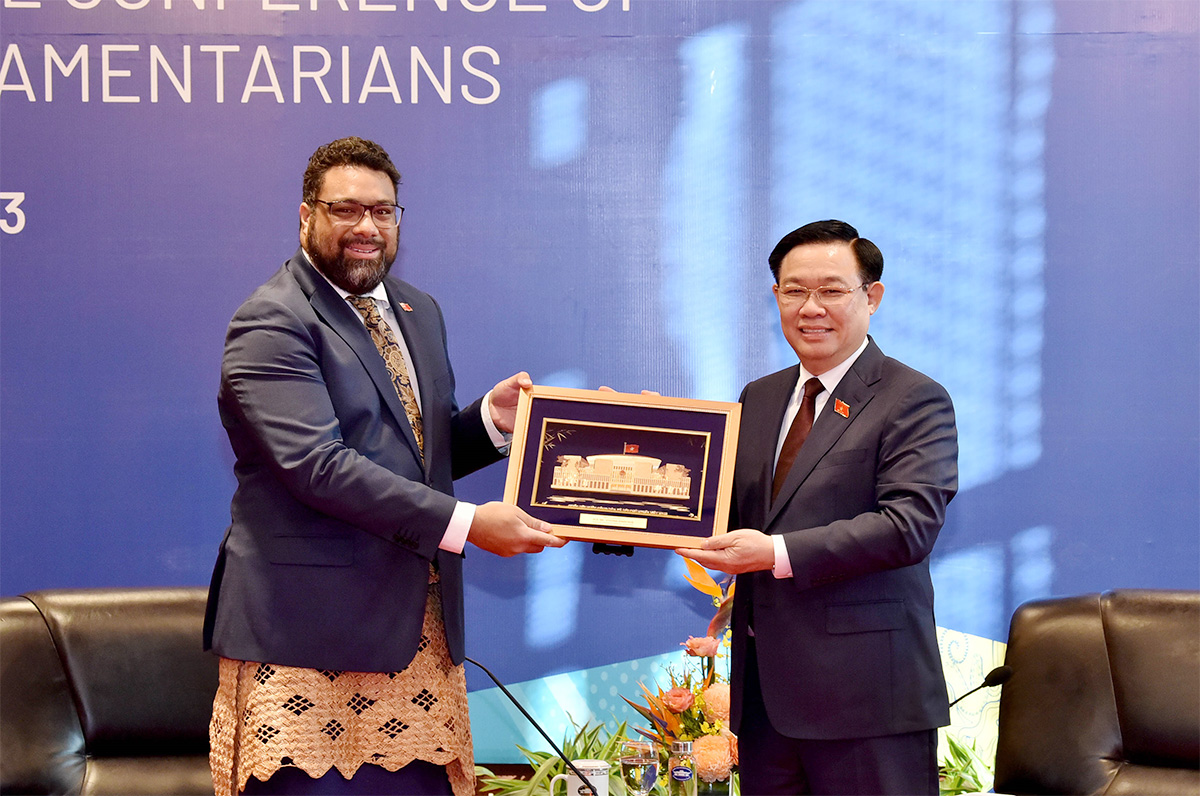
(825, 296)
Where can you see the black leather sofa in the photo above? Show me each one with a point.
(1104, 696)
(105, 691)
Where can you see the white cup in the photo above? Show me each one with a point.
(596, 772)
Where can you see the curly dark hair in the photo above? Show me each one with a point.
(351, 151)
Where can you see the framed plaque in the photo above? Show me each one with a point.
(624, 469)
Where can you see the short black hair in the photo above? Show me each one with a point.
(351, 151)
(870, 259)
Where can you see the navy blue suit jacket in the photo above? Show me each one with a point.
(335, 519)
(847, 647)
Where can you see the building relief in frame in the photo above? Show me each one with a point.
(625, 480)
(622, 468)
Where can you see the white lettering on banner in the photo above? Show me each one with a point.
(12, 56)
(80, 60)
(379, 57)
(262, 56)
(299, 74)
(220, 50)
(513, 5)
(132, 5)
(599, 5)
(13, 208)
(466, 62)
(475, 80)
(107, 73)
(345, 74)
(443, 88)
(157, 60)
(476, 6)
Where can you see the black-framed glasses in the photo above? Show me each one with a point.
(347, 212)
(826, 295)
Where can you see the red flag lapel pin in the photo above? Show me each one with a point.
(405, 307)
(841, 407)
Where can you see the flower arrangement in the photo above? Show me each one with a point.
(696, 706)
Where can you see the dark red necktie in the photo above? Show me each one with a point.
(796, 435)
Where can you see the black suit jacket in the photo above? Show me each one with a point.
(335, 519)
(847, 647)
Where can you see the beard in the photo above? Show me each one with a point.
(349, 273)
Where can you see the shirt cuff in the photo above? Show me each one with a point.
(783, 564)
(501, 440)
(455, 538)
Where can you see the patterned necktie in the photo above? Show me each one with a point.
(796, 434)
(389, 349)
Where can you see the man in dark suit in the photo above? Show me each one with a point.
(336, 602)
(845, 465)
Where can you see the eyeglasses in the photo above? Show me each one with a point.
(345, 212)
(826, 295)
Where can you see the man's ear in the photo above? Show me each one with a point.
(874, 296)
(305, 215)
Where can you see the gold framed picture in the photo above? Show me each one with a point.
(625, 469)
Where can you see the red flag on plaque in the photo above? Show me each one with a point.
(631, 448)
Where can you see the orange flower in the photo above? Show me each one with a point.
(702, 647)
(716, 701)
(678, 699)
(733, 744)
(714, 758)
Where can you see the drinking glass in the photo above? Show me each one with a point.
(639, 767)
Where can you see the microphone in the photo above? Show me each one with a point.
(997, 676)
(591, 789)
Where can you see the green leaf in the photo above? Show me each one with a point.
(962, 770)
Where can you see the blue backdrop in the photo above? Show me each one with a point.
(592, 188)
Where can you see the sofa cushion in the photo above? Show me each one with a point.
(1157, 694)
(178, 775)
(135, 664)
(1058, 717)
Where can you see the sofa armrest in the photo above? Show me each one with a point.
(43, 739)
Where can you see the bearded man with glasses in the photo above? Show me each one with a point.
(845, 464)
(336, 602)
